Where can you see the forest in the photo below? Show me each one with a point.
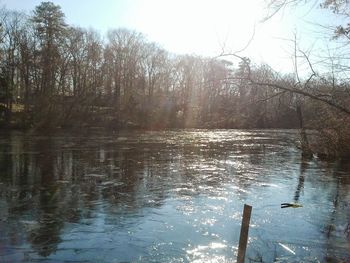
(57, 76)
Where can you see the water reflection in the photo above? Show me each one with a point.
(167, 197)
(301, 180)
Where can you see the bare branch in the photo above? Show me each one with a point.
(310, 65)
(284, 88)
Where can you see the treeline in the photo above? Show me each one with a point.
(56, 75)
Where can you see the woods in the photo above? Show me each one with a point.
(56, 75)
(116, 148)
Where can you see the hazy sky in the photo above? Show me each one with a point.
(201, 27)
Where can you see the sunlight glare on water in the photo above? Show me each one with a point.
(170, 196)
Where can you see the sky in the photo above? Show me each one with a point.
(204, 27)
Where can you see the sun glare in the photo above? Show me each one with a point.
(203, 27)
(211, 27)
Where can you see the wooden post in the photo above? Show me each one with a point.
(243, 238)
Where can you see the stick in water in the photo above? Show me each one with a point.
(243, 238)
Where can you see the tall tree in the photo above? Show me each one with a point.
(49, 22)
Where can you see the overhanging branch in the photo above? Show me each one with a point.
(285, 88)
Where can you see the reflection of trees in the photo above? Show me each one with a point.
(136, 181)
(34, 195)
(337, 226)
(303, 166)
(45, 238)
(336, 194)
(6, 158)
(52, 183)
(61, 180)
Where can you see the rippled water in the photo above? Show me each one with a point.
(173, 196)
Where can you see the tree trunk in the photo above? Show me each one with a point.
(305, 147)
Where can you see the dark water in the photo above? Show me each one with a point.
(174, 196)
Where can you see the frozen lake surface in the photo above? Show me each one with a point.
(169, 196)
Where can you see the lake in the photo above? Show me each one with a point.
(169, 196)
